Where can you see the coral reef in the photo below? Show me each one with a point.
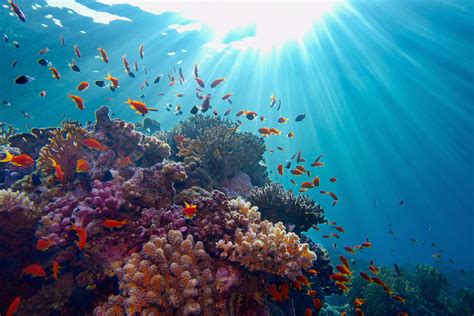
(170, 276)
(298, 213)
(32, 142)
(6, 131)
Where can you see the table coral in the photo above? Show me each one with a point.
(170, 276)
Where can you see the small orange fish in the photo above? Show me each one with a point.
(297, 172)
(34, 270)
(262, 118)
(297, 285)
(56, 270)
(110, 223)
(332, 180)
(316, 181)
(290, 135)
(82, 234)
(200, 82)
(335, 198)
(339, 277)
(282, 120)
(84, 85)
(342, 286)
(344, 270)
(307, 185)
(374, 269)
(359, 312)
(308, 312)
(103, 55)
(55, 73)
(123, 162)
(226, 96)
(22, 160)
(179, 95)
(13, 308)
(335, 235)
(367, 244)
(317, 304)
(77, 51)
(43, 244)
(113, 80)
(313, 272)
(189, 210)
(78, 101)
(343, 313)
(344, 261)
(399, 298)
(311, 293)
(126, 64)
(317, 164)
(275, 131)
(349, 249)
(216, 82)
(82, 166)
(366, 277)
(92, 143)
(139, 107)
(378, 281)
(280, 169)
(58, 171)
(303, 280)
(340, 229)
(43, 51)
(265, 131)
(274, 293)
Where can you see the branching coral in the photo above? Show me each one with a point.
(170, 276)
(265, 246)
(298, 213)
(31, 143)
(216, 146)
(6, 131)
(65, 148)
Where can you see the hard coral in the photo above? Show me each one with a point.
(265, 246)
(298, 213)
(170, 276)
(217, 147)
(32, 142)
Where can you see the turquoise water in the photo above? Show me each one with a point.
(387, 90)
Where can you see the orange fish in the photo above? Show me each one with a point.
(113, 80)
(82, 166)
(366, 276)
(82, 234)
(367, 244)
(317, 304)
(308, 312)
(335, 198)
(34, 270)
(216, 82)
(43, 244)
(56, 270)
(378, 281)
(297, 285)
(335, 235)
(77, 51)
(344, 270)
(332, 179)
(126, 64)
(343, 313)
(285, 290)
(13, 308)
(22, 160)
(342, 286)
(265, 131)
(200, 82)
(55, 73)
(274, 293)
(301, 168)
(339, 277)
(103, 55)
(317, 164)
(275, 131)
(313, 272)
(110, 223)
(316, 181)
(340, 229)
(58, 171)
(399, 298)
(291, 135)
(297, 172)
(92, 143)
(359, 301)
(374, 269)
(78, 100)
(307, 185)
(123, 162)
(189, 210)
(349, 249)
(280, 169)
(303, 280)
(139, 107)
(311, 293)
(345, 261)
(282, 120)
(84, 85)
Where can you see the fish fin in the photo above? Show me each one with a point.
(8, 158)
(152, 109)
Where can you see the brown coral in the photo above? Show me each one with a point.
(170, 276)
(267, 247)
(65, 148)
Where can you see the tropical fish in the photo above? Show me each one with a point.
(196, 74)
(82, 166)
(282, 120)
(344, 261)
(56, 270)
(81, 234)
(92, 143)
(24, 79)
(110, 223)
(300, 117)
(54, 72)
(297, 285)
(189, 210)
(359, 312)
(62, 40)
(399, 298)
(139, 107)
(374, 269)
(100, 83)
(200, 82)
(140, 50)
(313, 272)
(123, 162)
(280, 169)
(273, 100)
(317, 304)
(206, 103)
(34, 270)
(78, 101)
(216, 82)
(365, 276)
(43, 244)
(290, 135)
(43, 51)
(332, 179)
(103, 55)
(343, 269)
(349, 249)
(113, 80)
(16, 9)
(311, 292)
(58, 171)
(83, 85)
(43, 62)
(73, 66)
(285, 290)
(25, 114)
(359, 301)
(308, 312)
(22, 160)
(274, 293)
(42, 93)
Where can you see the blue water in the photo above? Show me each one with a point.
(387, 89)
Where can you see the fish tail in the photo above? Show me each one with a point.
(128, 101)
(8, 158)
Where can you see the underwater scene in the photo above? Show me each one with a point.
(236, 158)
